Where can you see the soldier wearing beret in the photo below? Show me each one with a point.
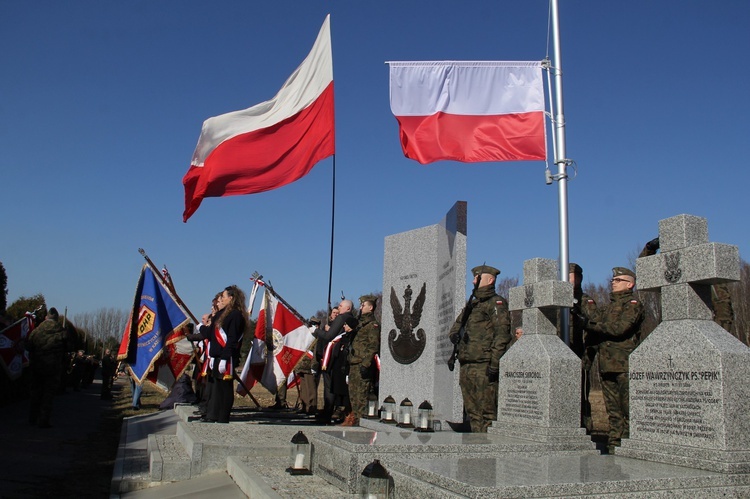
(617, 327)
(308, 388)
(582, 343)
(485, 339)
(47, 346)
(362, 368)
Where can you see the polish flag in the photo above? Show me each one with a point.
(469, 111)
(272, 361)
(272, 143)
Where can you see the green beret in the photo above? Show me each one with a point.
(371, 298)
(622, 271)
(485, 269)
(574, 268)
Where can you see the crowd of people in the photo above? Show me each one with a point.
(344, 354)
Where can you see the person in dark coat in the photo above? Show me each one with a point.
(224, 352)
(46, 346)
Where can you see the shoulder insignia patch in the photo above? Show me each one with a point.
(633, 301)
(499, 302)
(590, 301)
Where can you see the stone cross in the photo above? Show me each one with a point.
(686, 266)
(539, 394)
(540, 296)
(689, 395)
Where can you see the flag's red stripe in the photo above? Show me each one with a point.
(509, 137)
(265, 159)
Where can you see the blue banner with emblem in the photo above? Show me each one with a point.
(156, 321)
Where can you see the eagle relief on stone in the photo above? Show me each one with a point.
(408, 343)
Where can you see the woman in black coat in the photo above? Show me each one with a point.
(224, 352)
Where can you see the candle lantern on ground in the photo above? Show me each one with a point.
(424, 417)
(300, 450)
(375, 482)
(405, 415)
(389, 410)
(372, 407)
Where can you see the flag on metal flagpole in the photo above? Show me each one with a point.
(155, 326)
(13, 357)
(272, 359)
(469, 111)
(272, 143)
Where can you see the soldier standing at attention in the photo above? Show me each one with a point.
(46, 346)
(484, 339)
(582, 344)
(617, 327)
(364, 346)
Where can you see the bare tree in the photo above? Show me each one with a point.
(102, 324)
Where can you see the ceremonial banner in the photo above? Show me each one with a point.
(13, 356)
(156, 324)
(469, 111)
(272, 359)
(272, 143)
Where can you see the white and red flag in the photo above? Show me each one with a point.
(13, 355)
(469, 111)
(271, 360)
(272, 143)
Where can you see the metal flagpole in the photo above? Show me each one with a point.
(561, 160)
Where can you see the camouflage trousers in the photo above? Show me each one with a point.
(44, 386)
(359, 388)
(480, 396)
(616, 399)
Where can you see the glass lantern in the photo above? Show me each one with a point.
(405, 416)
(300, 450)
(389, 410)
(372, 407)
(375, 482)
(424, 417)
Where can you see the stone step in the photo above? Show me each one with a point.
(168, 460)
(266, 477)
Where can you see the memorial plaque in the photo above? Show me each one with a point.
(689, 395)
(424, 277)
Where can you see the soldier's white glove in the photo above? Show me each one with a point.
(222, 365)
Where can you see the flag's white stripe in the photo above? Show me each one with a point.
(423, 89)
(305, 85)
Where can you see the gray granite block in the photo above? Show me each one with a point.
(168, 460)
(540, 295)
(585, 475)
(424, 288)
(709, 263)
(340, 456)
(689, 396)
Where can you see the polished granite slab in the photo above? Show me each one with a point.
(522, 475)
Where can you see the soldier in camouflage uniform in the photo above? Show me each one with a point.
(582, 343)
(617, 327)
(308, 388)
(47, 348)
(721, 299)
(485, 339)
(362, 369)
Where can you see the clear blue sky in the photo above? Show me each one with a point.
(101, 105)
